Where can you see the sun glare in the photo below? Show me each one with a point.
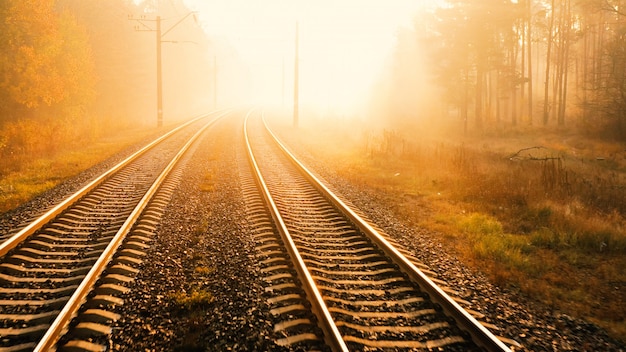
(342, 44)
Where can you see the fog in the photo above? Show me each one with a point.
(84, 69)
(343, 46)
(355, 58)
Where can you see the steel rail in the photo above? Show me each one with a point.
(480, 334)
(76, 300)
(17, 238)
(331, 332)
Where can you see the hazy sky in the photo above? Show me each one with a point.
(343, 43)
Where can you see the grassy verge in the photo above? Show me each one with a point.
(37, 174)
(547, 222)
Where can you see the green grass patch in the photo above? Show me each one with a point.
(479, 225)
(488, 242)
(196, 299)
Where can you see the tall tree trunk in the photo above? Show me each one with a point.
(466, 99)
(513, 103)
(558, 78)
(587, 56)
(598, 76)
(530, 66)
(497, 96)
(565, 59)
(546, 98)
(489, 98)
(522, 35)
(478, 108)
(564, 89)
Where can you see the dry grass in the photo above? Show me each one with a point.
(196, 299)
(34, 173)
(208, 182)
(548, 222)
(203, 270)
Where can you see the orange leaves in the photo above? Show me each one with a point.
(34, 79)
(29, 22)
(76, 62)
(47, 58)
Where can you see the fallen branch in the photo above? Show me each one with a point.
(517, 155)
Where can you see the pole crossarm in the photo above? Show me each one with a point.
(179, 41)
(159, 41)
(179, 21)
(147, 28)
(141, 21)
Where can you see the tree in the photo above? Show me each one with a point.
(46, 61)
(477, 41)
(608, 84)
(489, 55)
(46, 80)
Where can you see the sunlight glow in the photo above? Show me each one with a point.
(343, 44)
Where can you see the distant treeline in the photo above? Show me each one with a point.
(526, 62)
(71, 70)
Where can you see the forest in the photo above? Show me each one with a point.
(503, 63)
(72, 71)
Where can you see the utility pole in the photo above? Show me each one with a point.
(159, 73)
(296, 83)
(159, 40)
(215, 82)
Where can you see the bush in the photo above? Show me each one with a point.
(196, 299)
(480, 224)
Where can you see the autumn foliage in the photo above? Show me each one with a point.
(47, 61)
(46, 77)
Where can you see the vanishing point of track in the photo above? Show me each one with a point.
(365, 293)
(50, 267)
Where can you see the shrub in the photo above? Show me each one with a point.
(480, 224)
(545, 238)
(196, 299)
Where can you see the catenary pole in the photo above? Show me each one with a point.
(296, 83)
(159, 73)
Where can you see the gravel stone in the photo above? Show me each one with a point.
(536, 326)
(203, 245)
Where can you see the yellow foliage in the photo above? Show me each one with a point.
(46, 58)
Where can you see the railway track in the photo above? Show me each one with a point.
(364, 293)
(62, 275)
(60, 272)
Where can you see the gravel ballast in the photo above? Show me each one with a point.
(535, 326)
(200, 289)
